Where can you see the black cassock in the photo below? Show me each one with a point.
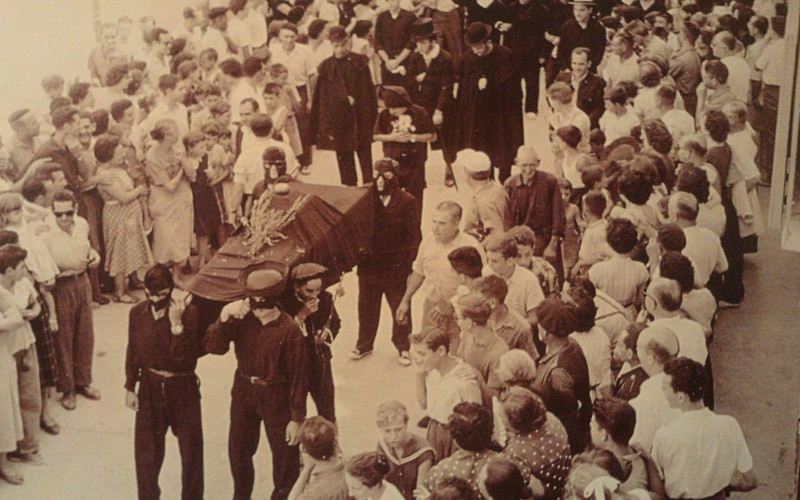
(490, 120)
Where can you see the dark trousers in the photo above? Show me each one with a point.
(411, 175)
(448, 26)
(90, 207)
(371, 289)
(252, 404)
(530, 72)
(770, 95)
(75, 337)
(690, 102)
(320, 383)
(168, 403)
(730, 286)
(551, 69)
(347, 165)
(302, 126)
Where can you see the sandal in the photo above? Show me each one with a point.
(50, 426)
(124, 299)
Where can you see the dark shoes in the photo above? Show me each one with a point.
(89, 392)
(50, 427)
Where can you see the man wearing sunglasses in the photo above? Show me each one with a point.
(271, 381)
(68, 243)
(163, 346)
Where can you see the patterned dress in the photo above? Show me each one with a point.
(123, 232)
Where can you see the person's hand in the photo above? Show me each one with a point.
(421, 493)
(237, 309)
(53, 322)
(391, 64)
(132, 400)
(94, 258)
(142, 190)
(176, 309)
(403, 137)
(438, 118)
(351, 100)
(436, 314)
(505, 27)
(420, 77)
(293, 433)
(550, 252)
(312, 306)
(28, 314)
(482, 83)
(401, 314)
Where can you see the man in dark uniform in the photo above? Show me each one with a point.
(271, 380)
(582, 31)
(313, 309)
(163, 346)
(394, 246)
(344, 108)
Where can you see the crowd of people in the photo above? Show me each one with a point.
(563, 348)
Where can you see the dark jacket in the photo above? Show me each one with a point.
(435, 91)
(325, 317)
(334, 123)
(396, 238)
(590, 95)
(526, 36)
(538, 205)
(572, 36)
(394, 35)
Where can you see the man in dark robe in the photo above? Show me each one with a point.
(583, 30)
(488, 114)
(344, 109)
(525, 39)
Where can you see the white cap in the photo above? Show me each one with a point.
(473, 161)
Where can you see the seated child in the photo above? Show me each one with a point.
(410, 456)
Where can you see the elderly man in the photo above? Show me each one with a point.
(663, 302)
(655, 347)
(108, 53)
(26, 127)
(535, 201)
(432, 264)
(488, 213)
(68, 243)
(700, 454)
(271, 381)
(395, 241)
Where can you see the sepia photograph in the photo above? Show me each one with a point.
(399, 249)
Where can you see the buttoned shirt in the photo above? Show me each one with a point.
(698, 452)
(484, 356)
(704, 249)
(620, 277)
(444, 392)
(652, 411)
(300, 62)
(70, 251)
(684, 67)
(433, 265)
(691, 337)
(516, 333)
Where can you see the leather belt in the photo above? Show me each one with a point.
(166, 374)
(70, 277)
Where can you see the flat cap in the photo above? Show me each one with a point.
(263, 280)
(308, 271)
(556, 317)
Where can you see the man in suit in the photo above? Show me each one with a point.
(587, 86)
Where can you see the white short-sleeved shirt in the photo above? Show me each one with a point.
(691, 337)
(617, 70)
(705, 251)
(620, 277)
(524, 291)
(679, 123)
(771, 62)
(300, 62)
(249, 167)
(594, 246)
(433, 265)
(652, 412)
(698, 452)
(738, 76)
(597, 351)
(444, 392)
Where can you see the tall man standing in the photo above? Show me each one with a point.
(393, 29)
(164, 343)
(394, 243)
(68, 243)
(344, 109)
(270, 384)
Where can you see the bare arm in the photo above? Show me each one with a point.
(422, 393)
(744, 481)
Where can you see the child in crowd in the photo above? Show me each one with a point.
(220, 164)
(480, 346)
(322, 476)
(443, 381)
(592, 178)
(366, 477)
(572, 232)
(410, 456)
(284, 124)
(594, 247)
(526, 239)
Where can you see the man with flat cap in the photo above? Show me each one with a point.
(488, 114)
(395, 242)
(431, 72)
(271, 380)
(404, 129)
(562, 375)
(313, 309)
(344, 108)
(164, 342)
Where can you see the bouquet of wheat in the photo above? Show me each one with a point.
(266, 224)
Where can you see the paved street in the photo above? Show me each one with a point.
(754, 355)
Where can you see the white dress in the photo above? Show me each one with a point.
(11, 429)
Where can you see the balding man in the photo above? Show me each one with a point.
(26, 142)
(432, 264)
(663, 301)
(703, 247)
(655, 347)
(723, 46)
(535, 201)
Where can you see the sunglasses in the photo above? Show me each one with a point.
(68, 213)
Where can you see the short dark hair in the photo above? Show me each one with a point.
(467, 261)
(64, 195)
(32, 188)
(167, 82)
(271, 88)
(433, 338)
(318, 437)
(694, 180)
(595, 202)
(717, 125)
(525, 410)
(688, 376)
(209, 52)
(584, 283)
(11, 256)
(475, 308)
(119, 107)
(471, 426)
(718, 71)
(504, 480)
(231, 67)
(591, 175)
(370, 467)
(261, 125)
(63, 115)
(502, 243)
(658, 135)
(104, 147)
(632, 335)
(571, 135)
(493, 287)
(617, 95)
(159, 277)
(193, 138)
(621, 235)
(636, 187)
(99, 119)
(252, 66)
(78, 91)
(116, 73)
(678, 267)
(615, 416)
(585, 309)
(8, 237)
(315, 28)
